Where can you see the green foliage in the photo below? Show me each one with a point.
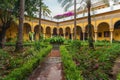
(24, 44)
(9, 12)
(76, 44)
(39, 45)
(70, 69)
(96, 64)
(14, 63)
(57, 39)
(102, 43)
(67, 42)
(3, 55)
(22, 72)
(118, 76)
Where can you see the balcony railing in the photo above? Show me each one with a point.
(104, 10)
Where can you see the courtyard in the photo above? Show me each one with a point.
(80, 41)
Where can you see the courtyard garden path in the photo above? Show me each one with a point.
(50, 69)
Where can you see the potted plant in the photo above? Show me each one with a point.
(56, 41)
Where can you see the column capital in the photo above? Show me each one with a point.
(83, 31)
(111, 29)
(95, 31)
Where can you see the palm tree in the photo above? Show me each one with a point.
(19, 43)
(40, 19)
(90, 40)
(75, 20)
(45, 11)
(67, 4)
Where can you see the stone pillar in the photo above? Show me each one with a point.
(95, 36)
(44, 35)
(83, 36)
(111, 36)
(58, 32)
(71, 36)
(51, 34)
(64, 35)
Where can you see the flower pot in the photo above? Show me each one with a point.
(56, 46)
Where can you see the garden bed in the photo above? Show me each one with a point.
(17, 66)
(94, 64)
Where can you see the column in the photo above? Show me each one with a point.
(44, 35)
(83, 36)
(64, 35)
(57, 31)
(51, 34)
(72, 36)
(111, 36)
(95, 36)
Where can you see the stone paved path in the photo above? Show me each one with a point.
(50, 69)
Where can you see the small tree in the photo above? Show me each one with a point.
(7, 15)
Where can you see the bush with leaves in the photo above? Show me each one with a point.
(96, 64)
(22, 72)
(70, 69)
(57, 39)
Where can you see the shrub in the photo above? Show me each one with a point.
(97, 65)
(76, 44)
(57, 39)
(22, 72)
(3, 55)
(37, 45)
(70, 69)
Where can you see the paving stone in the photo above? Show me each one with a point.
(51, 69)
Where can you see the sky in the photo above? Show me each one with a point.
(54, 6)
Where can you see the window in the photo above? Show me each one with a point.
(100, 34)
(106, 34)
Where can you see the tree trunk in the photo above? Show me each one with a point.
(40, 21)
(74, 19)
(2, 38)
(3, 33)
(90, 40)
(19, 43)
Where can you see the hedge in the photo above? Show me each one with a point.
(70, 68)
(27, 68)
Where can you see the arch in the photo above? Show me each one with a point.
(11, 33)
(54, 31)
(36, 29)
(117, 25)
(68, 33)
(48, 32)
(79, 33)
(26, 30)
(103, 31)
(36, 32)
(86, 31)
(60, 31)
(116, 33)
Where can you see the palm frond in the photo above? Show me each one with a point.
(68, 6)
(59, 1)
(66, 2)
